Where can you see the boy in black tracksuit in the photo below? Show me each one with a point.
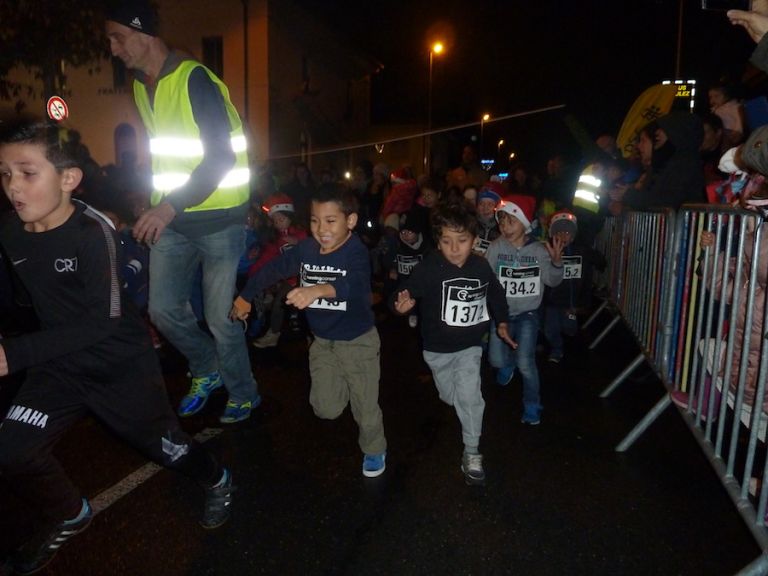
(458, 294)
(92, 353)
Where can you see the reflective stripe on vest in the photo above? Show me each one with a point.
(175, 143)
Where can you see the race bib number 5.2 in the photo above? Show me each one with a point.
(571, 267)
(520, 282)
(464, 302)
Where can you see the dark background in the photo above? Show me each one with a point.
(505, 57)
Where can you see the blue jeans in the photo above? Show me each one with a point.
(173, 265)
(523, 329)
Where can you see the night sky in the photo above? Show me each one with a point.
(509, 56)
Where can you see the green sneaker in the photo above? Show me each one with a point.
(238, 411)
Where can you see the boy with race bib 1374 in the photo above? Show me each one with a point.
(524, 266)
(334, 272)
(458, 293)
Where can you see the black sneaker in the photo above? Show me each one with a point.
(217, 502)
(38, 552)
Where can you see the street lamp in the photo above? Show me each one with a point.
(499, 144)
(436, 48)
(483, 120)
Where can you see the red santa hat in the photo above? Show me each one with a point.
(278, 203)
(519, 206)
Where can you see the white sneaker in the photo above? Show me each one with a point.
(472, 467)
(413, 320)
(269, 340)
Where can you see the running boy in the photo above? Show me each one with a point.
(457, 290)
(334, 271)
(524, 266)
(93, 352)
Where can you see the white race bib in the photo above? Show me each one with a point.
(571, 267)
(481, 246)
(314, 275)
(406, 263)
(464, 302)
(520, 282)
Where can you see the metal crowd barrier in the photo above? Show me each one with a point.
(696, 314)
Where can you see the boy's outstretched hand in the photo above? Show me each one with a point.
(240, 309)
(404, 302)
(501, 330)
(555, 248)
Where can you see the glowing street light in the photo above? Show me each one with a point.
(483, 120)
(436, 48)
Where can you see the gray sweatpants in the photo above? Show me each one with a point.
(457, 377)
(347, 372)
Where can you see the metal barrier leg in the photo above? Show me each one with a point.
(758, 567)
(604, 333)
(642, 426)
(621, 377)
(595, 314)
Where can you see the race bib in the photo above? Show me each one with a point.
(406, 263)
(313, 275)
(481, 246)
(520, 282)
(571, 267)
(464, 302)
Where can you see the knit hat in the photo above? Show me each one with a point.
(136, 14)
(414, 221)
(491, 191)
(278, 203)
(563, 221)
(519, 206)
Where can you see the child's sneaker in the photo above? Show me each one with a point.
(238, 411)
(531, 415)
(472, 467)
(198, 394)
(413, 321)
(374, 464)
(36, 554)
(504, 375)
(218, 499)
(269, 340)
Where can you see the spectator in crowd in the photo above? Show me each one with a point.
(458, 294)
(469, 172)
(676, 175)
(199, 206)
(712, 147)
(524, 266)
(335, 290)
(284, 236)
(91, 354)
(730, 111)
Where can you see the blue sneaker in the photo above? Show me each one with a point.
(504, 375)
(531, 415)
(238, 411)
(198, 394)
(374, 464)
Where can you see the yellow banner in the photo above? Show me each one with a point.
(656, 101)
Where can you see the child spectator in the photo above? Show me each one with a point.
(335, 289)
(414, 244)
(561, 301)
(488, 200)
(458, 292)
(279, 208)
(524, 266)
(93, 352)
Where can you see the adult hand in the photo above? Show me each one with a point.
(404, 302)
(151, 224)
(3, 362)
(503, 332)
(241, 308)
(755, 21)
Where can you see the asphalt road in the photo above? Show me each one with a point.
(558, 499)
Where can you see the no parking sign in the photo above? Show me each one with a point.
(57, 108)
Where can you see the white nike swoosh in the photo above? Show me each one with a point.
(17, 262)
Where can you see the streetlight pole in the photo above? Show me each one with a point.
(436, 48)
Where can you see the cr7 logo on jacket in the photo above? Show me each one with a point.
(65, 264)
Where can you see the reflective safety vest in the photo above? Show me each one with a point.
(587, 191)
(175, 144)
